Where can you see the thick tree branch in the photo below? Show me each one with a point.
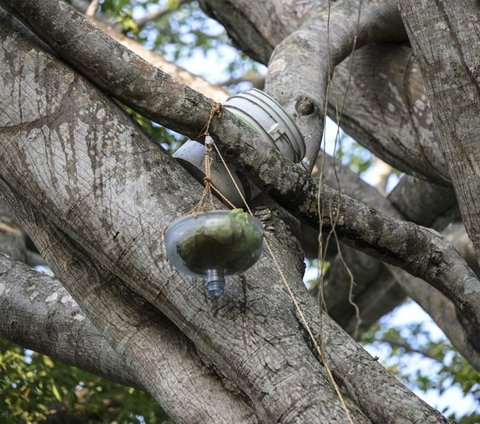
(443, 312)
(421, 252)
(322, 42)
(216, 92)
(387, 109)
(420, 201)
(151, 92)
(31, 302)
(375, 291)
(115, 197)
(156, 354)
(424, 202)
(441, 38)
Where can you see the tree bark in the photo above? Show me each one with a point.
(147, 347)
(32, 302)
(387, 109)
(445, 40)
(321, 42)
(111, 191)
(421, 253)
(96, 177)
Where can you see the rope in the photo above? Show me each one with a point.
(317, 346)
(207, 192)
(206, 199)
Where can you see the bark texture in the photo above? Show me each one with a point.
(387, 109)
(444, 39)
(320, 43)
(108, 184)
(31, 302)
(285, 182)
(147, 347)
(111, 191)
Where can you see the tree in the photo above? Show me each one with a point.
(95, 195)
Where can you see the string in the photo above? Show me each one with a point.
(216, 109)
(317, 346)
(205, 203)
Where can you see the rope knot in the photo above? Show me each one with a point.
(215, 110)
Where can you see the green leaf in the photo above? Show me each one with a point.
(56, 393)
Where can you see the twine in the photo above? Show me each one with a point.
(205, 203)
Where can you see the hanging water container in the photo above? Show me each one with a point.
(272, 124)
(213, 245)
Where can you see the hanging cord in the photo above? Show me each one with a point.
(318, 346)
(203, 206)
(205, 203)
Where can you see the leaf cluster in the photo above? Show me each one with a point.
(34, 389)
(424, 362)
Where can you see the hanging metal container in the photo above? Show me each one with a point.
(272, 124)
(270, 120)
(213, 245)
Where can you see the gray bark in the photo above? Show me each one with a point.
(196, 82)
(421, 252)
(444, 40)
(147, 347)
(99, 192)
(31, 302)
(387, 109)
(320, 43)
(112, 192)
(383, 87)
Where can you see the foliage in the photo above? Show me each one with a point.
(183, 33)
(352, 154)
(425, 362)
(34, 388)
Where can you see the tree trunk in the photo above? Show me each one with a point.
(444, 40)
(97, 199)
(95, 195)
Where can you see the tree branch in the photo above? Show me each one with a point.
(447, 55)
(403, 344)
(92, 8)
(320, 43)
(31, 302)
(387, 109)
(138, 84)
(420, 201)
(196, 82)
(122, 191)
(152, 351)
(137, 190)
(159, 13)
(443, 312)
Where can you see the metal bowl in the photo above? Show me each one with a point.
(214, 244)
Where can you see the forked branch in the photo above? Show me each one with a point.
(148, 90)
